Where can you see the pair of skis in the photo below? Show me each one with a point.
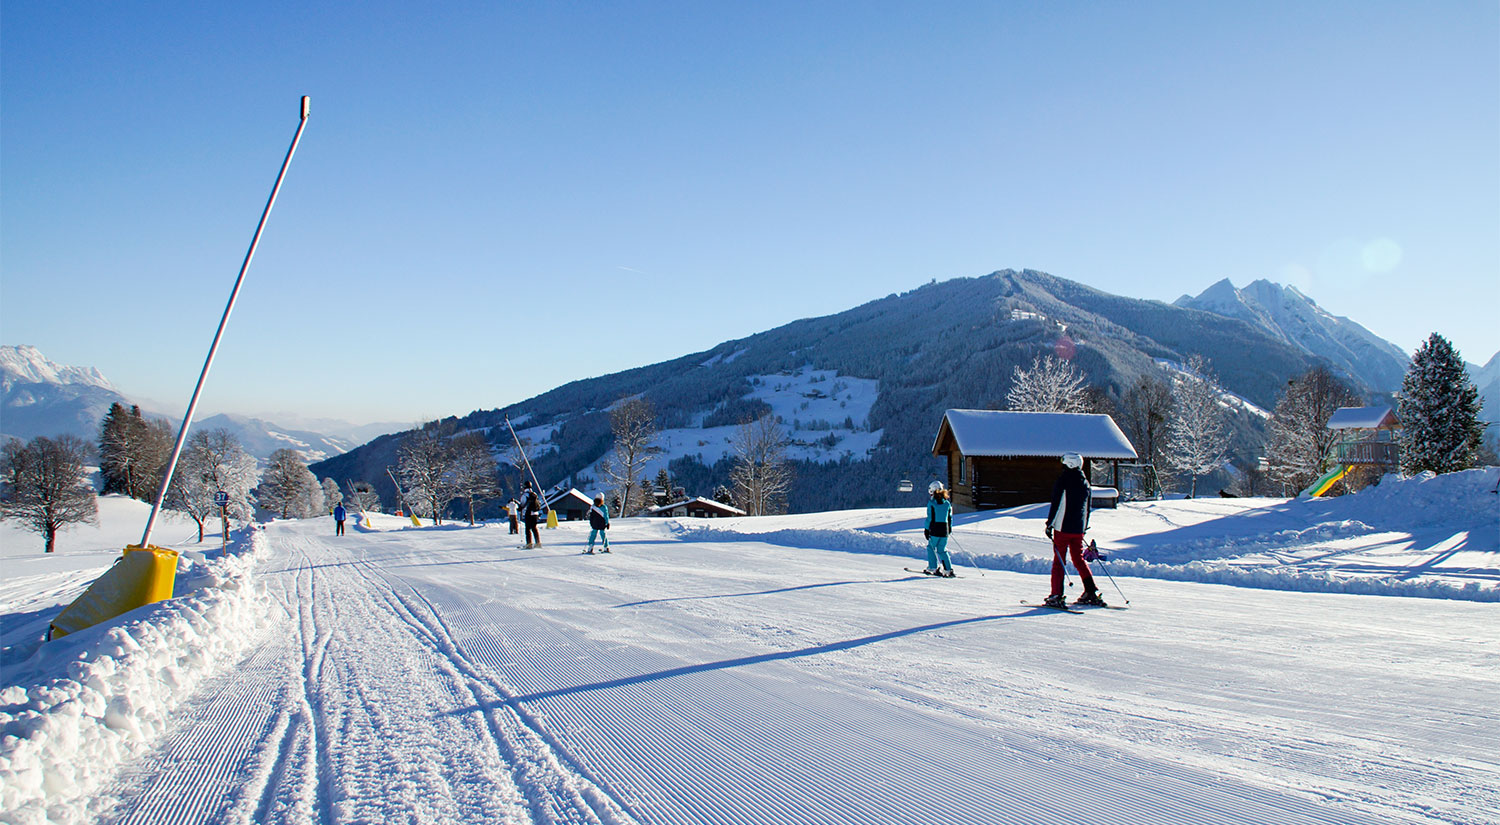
(1072, 608)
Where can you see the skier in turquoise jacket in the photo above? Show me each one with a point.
(599, 523)
(939, 525)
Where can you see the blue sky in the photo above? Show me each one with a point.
(492, 199)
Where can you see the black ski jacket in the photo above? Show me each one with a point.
(1070, 503)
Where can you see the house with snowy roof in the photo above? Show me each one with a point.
(569, 504)
(1006, 459)
(698, 507)
(1366, 436)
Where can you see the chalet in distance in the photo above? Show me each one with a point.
(569, 504)
(1005, 459)
(699, 507)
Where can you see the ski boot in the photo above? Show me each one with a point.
(931, 571)
(1091, 599)
(947, 573)
(1056, 601)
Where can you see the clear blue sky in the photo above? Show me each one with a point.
(492, 199)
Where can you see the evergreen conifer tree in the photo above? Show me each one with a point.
(1439, 411)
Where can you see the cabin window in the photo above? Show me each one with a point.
(961, 477)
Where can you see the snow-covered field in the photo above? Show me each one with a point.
(779, 670)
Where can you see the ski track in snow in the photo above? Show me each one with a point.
(449, 676)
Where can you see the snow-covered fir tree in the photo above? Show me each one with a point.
(1439, 411)
(1198, 435)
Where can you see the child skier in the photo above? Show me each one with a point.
(512, 512)
(939, 525)
(599, 523)
(1067, 520)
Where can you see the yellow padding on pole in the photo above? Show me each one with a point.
(551, 518)
(415, 522)
(142, 575)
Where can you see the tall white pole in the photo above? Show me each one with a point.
(187, 419)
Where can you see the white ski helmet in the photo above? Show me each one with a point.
(1073, 460)
(934, 487)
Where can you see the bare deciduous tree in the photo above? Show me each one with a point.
(46, 485)
(288, 487)
(761, 475)
(1197, 436)
(133, 452)
(1051, 385)
(425, 464)
(1299, 438)
(474, 470)
(332, 495)
(1144, 413)
(634, 426)
(213, 460)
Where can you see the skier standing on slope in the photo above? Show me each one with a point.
(598, 523)
(512, 512)
(338, 519)
(533, 512)
(1067, 520)
(939, 525)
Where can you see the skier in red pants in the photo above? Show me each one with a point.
(1067, 520)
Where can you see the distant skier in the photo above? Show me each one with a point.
(513, 513)
(1067, 520)
(939, 525)
(598, 523)
(338, 519)
(532, 510)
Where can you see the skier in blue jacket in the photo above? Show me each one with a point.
(599, 523)
(939, 525)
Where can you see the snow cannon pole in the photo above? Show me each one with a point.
(187, 418)
(536, 485)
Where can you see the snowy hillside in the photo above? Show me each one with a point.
(779, 670)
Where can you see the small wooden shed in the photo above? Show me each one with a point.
(1006, 459)
(570, 504)
(1366, 436)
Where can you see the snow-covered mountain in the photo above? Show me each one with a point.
(39, 397)
(42, 397)
(861, 392)
(1289, 316)
(1487, 380)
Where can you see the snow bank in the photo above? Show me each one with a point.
(1234, 549)
(84, 703)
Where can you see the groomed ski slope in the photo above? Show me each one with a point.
(446, 675)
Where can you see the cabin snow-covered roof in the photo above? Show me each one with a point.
(700, 500)
(1002, 433)
(570, 493)
(1361, 418)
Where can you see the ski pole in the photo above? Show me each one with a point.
(973, 562)
(1110, 578)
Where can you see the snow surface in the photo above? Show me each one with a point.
(781, 670)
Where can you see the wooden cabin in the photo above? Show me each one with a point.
(699, 507)
(1005, 459)
(1367, 436)
(569, 504)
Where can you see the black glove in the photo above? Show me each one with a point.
(926, 534)
(1049, 531)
